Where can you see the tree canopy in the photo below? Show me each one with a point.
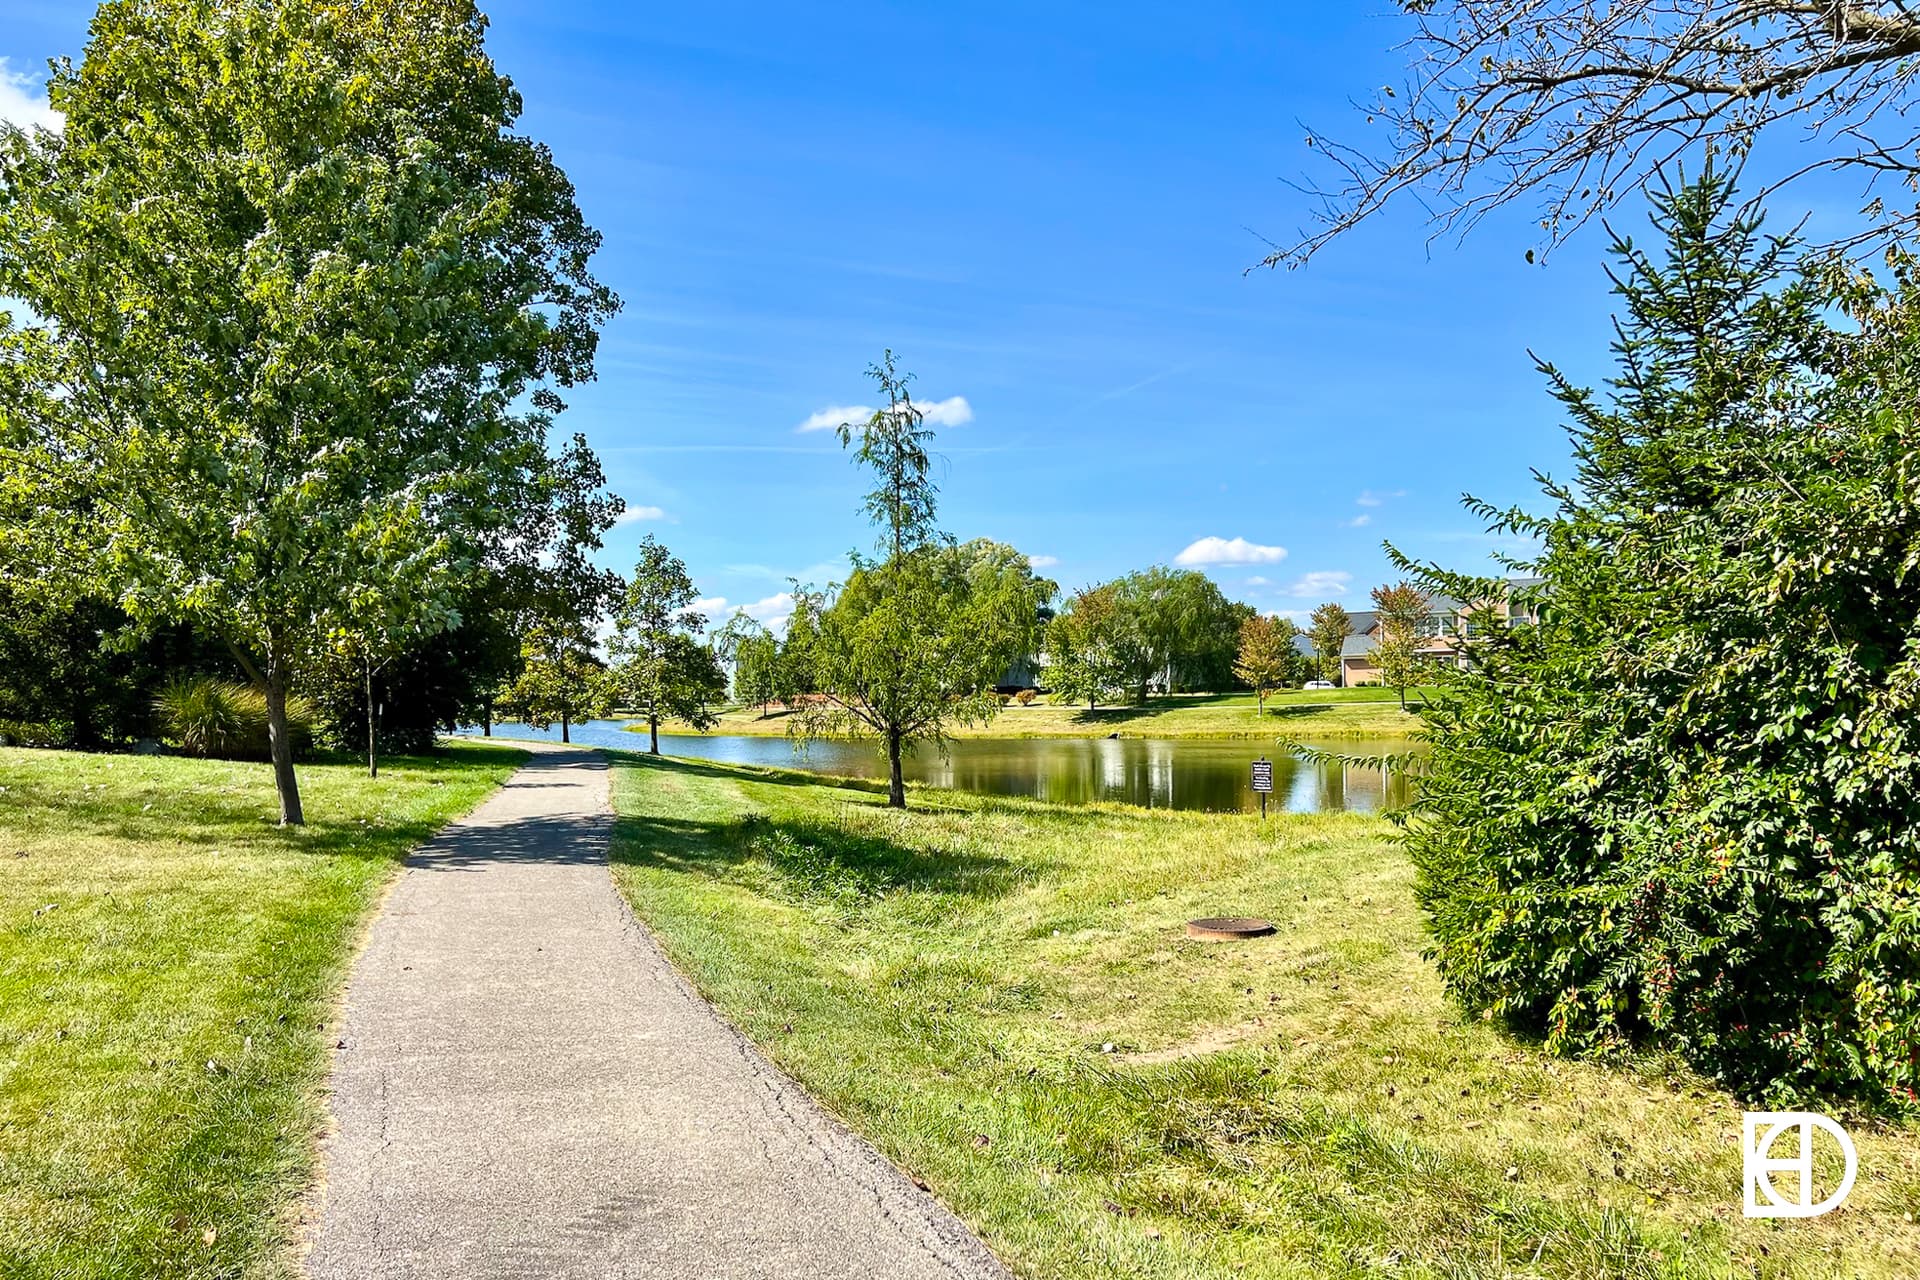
(300, 301)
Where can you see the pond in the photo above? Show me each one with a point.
(1158, 773)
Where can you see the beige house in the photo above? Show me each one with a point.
(1448, 621)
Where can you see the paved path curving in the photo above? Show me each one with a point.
(528, 1089)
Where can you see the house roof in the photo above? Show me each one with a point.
(1357, 647)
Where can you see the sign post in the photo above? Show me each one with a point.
(1263, 782)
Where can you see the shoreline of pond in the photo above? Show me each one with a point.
(1202, 774)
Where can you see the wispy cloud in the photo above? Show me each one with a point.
(22, 103)
(1360, 521)
(1324, 583)
(1043, 562)
(1229, 551)
(954, 411)
(1257, 581)
(1370, 498)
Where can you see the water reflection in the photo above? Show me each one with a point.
(1152, 772)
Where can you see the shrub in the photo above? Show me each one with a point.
(222, 720)
(1026, 696)
(1680, 810)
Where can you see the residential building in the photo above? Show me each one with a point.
(1447, 624)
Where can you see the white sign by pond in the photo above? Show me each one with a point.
(1263, 776)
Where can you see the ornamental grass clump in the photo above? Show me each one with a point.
(1682, 809)
(220, 719)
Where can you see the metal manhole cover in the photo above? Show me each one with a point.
(1229, 928)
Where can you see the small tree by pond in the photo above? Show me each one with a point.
(1267, 657)
(1401, 609)
(915, 639)
(1328, 629)
(662, 668)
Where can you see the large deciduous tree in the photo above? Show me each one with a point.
(300, 301)
(1679, 809)
(916, 638)
(1574, 105)
(661, 665)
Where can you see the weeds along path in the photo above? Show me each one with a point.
(525, 1087)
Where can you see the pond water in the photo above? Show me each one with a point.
(1152, 772)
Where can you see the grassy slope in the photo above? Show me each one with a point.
(168, 963)
(1304, 1105)
(1337, 713)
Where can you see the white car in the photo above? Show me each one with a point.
(1318, 684)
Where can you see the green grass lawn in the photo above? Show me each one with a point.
(169, 960)
(1337, 713)
(998, 994)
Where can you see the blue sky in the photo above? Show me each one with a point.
(1047, 212)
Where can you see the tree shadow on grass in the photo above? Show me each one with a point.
(202, 814)
(697, 767)
(808, 850)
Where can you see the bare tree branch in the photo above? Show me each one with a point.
(1576, 104)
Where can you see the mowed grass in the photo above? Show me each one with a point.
(1336, 713)
(169, 960)
(998, 994)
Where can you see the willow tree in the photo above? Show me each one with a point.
(914, 641)
(301, 300)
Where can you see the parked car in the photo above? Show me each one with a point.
(1318, 684)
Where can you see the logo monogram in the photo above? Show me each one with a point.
(1761, 1128)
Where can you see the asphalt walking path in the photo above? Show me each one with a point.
(524, 1087)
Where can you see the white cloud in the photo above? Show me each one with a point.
(1360, 521)
(1043, 562)
(634, 515)
(954, 411)
(835, 414)
(1368, 498)
(774, 606)
(22, 103)
(1322, 583)
(1257, 581)
(1229, 551)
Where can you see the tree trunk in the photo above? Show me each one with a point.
(565, 728)
(653, 729)
(486, 718)
(280, 741)
(897, 781)
(373, 741)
